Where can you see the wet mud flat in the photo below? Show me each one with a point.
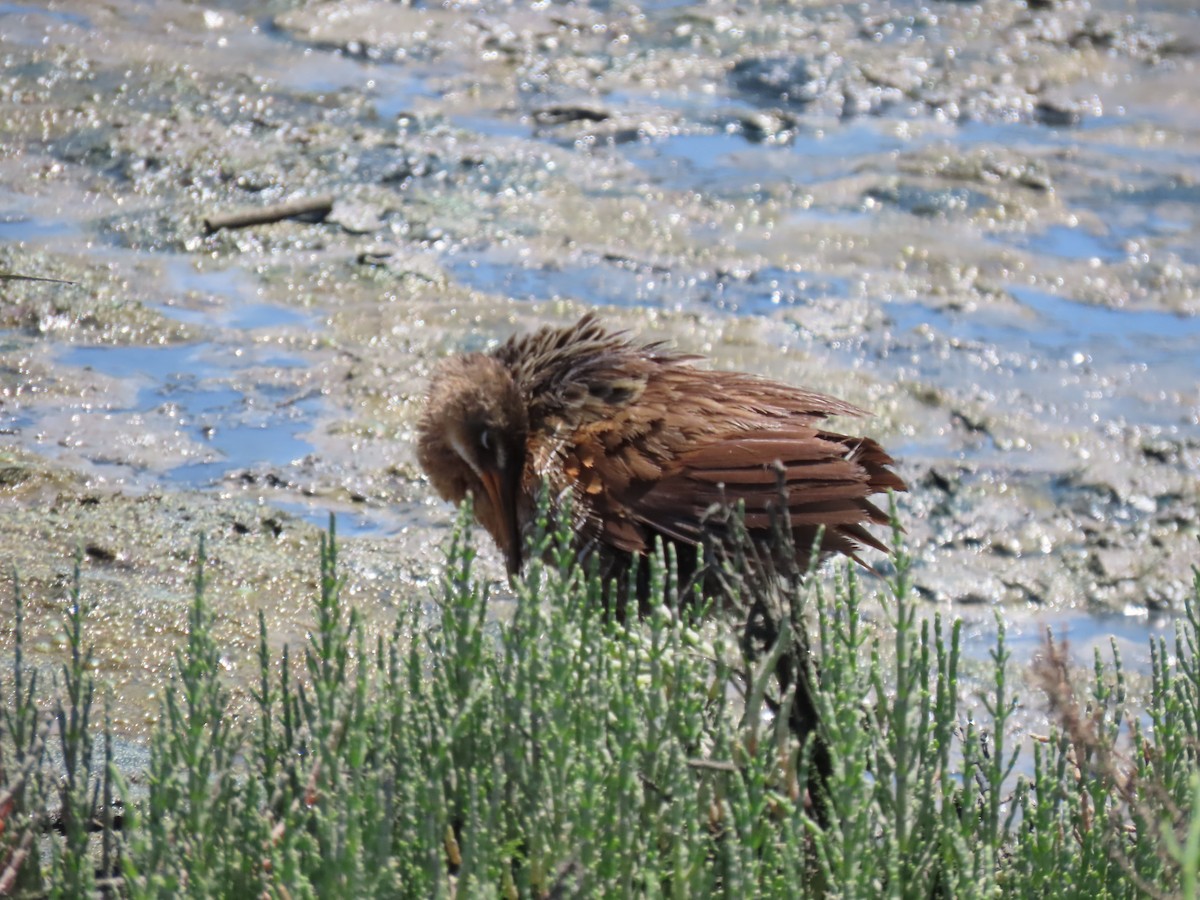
(978, 221)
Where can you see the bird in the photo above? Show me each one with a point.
(638, 444)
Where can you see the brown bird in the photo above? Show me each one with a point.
(645, 446)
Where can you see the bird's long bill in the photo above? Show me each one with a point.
(501, 489)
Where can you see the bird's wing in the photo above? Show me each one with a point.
(696, 440)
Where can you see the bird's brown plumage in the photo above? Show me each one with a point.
(645, 446)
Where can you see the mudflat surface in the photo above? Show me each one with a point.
(979, 221)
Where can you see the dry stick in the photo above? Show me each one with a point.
(1093, 750)
(8, 276)
(318, 207)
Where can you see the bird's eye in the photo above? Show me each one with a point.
(485, 439)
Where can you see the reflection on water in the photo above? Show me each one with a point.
(27, 23)
(1025, 634)
(1071, 243)
(244, 318)
(391, 90)
(1057, 328)
(186, 415)
(16, 227)
(1087, 363)
(1143, 335)
(725, 162)
(192, 386)
(620, 282)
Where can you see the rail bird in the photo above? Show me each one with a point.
(639, 444)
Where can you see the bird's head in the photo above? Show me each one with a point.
(471, 440)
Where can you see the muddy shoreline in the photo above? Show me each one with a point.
(978, 221)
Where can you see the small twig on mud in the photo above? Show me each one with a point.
(315, 208)
(9, 276)
(1095, 755)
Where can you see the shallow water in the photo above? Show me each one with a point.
(994, 249)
